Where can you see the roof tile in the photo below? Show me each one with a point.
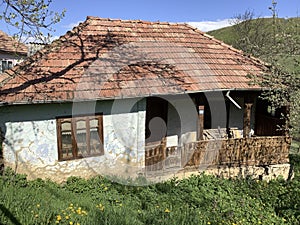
(11, 45)
(107, 59)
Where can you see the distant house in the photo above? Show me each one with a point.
(11, 52)
(134, 97)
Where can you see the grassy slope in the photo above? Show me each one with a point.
(228, 35)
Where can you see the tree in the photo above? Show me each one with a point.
(31, 18)
(247, 35)
(277, 42)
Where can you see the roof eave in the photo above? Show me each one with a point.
(125, 97)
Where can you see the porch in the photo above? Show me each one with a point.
(242, 133)
(203, 154)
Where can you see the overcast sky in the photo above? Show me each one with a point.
(205, 14)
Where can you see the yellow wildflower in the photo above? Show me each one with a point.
(36, 215)
(67, 217)
(100, 206)
(38, 205)
(167, 210)
(71, 223)
(208, 222)
(58, 217)
(78, 211)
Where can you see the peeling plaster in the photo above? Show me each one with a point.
(30, 144)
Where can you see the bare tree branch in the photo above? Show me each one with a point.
(30, 17)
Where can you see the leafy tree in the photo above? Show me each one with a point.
(276, 41)
(31, 18)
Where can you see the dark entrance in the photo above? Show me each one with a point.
(156, 120)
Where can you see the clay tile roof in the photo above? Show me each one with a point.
(108, 59)
(10, 45)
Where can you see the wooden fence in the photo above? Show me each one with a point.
(257, 151)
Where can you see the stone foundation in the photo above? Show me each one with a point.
(256, 172)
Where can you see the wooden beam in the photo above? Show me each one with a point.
(200, 125)
(227, 102)
(247, 119)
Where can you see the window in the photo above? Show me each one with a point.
(80, 137)
(5, 65)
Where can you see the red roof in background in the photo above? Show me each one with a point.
(107, 59)
(10, 45)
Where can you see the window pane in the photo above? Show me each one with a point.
(66, 139)
(95, 143)
(9, 65)
(81, 137)
(4, 65)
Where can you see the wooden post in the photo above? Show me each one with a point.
(164, 153)
(227, 102)
(164, 147)
(285, 112)
(200, 122)
(247, 120)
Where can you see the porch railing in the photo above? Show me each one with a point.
(258, 151)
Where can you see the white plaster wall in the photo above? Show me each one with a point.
(236, 115)
(33, 142)
(182, 121)
(30, 144)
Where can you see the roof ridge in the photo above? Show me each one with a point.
(129, 20)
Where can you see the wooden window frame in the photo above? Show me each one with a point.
(9, 65)
(73, 120)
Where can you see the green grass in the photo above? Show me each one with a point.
(295, 147)
(199, 199)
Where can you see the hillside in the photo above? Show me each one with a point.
(230, 35)
(263, 36)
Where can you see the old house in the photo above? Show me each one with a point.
(11, 52)
(128, 98)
